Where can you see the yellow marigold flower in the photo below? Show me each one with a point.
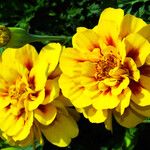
(30, 100)
(107, 72)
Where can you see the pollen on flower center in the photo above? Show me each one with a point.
(104, 65)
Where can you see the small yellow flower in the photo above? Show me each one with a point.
(107, 72)
(30, 100)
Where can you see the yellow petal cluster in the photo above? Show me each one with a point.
(30, 99)
(107, 71)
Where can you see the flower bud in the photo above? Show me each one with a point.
(13, 37)
(18, 37)
(4, 36)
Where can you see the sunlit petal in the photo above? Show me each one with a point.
(129, 119)
(45, 114)
(131, 24)
(61, 130)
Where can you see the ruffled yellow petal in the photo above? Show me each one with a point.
(81, 29)
(27, 56)
(105, 101)
(72, 61)
(110, 82)
(26, 128)
(9, 121)
(60, 106)
(124, 98)
(85, 68)
(144, 111)
(7, 55)
(69, 59)
(61, 130)
(16, 126)
(38, 75)
(116, 90)
(56, 73)
(51, 53)
(65, 101)
(110, 18)
(110, 37)
(145, 70)
(111, 14)
(8, 73)
(133, 71)
(4, 101)
(45, 114)
(73, 112)
(108, 121)
(95, 116)
(131, 24)
(140, 95)
(89, 83)
(28, 140)
(129, 119)
(147, 62)
(122, 50)
(145, 32)
(145, 82)
(51, 90)
(71, 54)
(76, 93)
(102, 86)
(88, 69)
(86, 40)
(137, 48)
(35, 100)
(4, 114)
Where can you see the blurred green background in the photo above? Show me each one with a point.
(62, 17)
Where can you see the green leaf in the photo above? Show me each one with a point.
(147, 120)
(93, 9)
(11, 148)
(38, 147)
(130, 138)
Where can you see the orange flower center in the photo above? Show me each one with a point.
(104, 65)
(21, 91)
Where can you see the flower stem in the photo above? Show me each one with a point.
(130, 138)
(17, 37)
(34, 146)
(41, 38)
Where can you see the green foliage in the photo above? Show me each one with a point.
(60, 17)
(130, 138)
(1, 50)
(139, 8)
(19, 148)
(4, 146)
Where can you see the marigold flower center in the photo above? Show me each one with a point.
(104, 65)
(15, 92)
(20, 91)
